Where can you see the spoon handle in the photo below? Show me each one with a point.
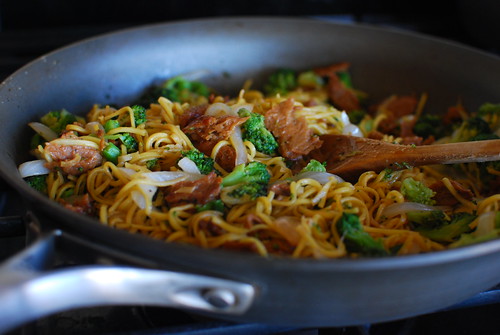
(350, 156)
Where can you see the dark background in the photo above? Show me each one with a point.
(31, 28)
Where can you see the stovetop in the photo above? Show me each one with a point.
(479, 315)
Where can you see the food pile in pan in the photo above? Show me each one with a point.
(185, 164)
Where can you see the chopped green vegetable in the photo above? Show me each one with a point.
(126, 139)
(356, 239)
(249, 191)
(356, 116)
(111, 153)
(428, 219)
(281, 82)
(253, 172)
(176, 89)
(314, 166)
(139, 114)
(151, 164)
(58, 120)
(416, 191)
(255, 131)
(111, 124)
(214, 205)
(429, 125)
(204, 163)
(449, 231)
(309, 79)
(38, 182)
(470, 128)
(491, 114)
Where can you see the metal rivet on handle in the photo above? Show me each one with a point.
(220, 298)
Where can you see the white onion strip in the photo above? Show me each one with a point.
(404, 207)
(320, 177)
(33, 168)
(44, 131)
(236, 140)
(187, 165)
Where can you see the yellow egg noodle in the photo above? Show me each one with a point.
(128, 195)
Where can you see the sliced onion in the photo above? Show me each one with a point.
(148, 191)
(163, 176)
(287, 227)
(219, 109)
(44, 131)
(187, 165)
(129, 172)
(237, 107)
(320, 177)
(349, 128)
(237, 142)
(94, 127)
(33, 168)
(485, 224)
(404, 207)
(352, 130)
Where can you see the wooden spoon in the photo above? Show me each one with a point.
(350, 156)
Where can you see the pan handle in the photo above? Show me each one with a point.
(27, 293)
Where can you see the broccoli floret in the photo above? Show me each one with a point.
(57, 120)
(254, 130)
(129, 142)
(204, 163)
(429, 125)
(356, 116)
(356, 239)
(469, 129)
(38, 182)
(477, 237)
(416, 191)
(139, 114)
(181, 90)
(449, 231)
(430, 219)
(253, 172)
(152, 163)
(314, 166)
(309, 79)
(282, 81)
(214, 205)
(175, 89)
(491, 114)
(249, 191)
(126, 139)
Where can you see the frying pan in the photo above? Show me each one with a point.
(117, 67)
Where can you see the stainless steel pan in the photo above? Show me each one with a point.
(115, 68)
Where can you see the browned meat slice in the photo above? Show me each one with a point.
(191, 114)
(444, 197)
(73, 159)
(81, 204)
(226, 157)
(395, 108)
(294, 137)
(341, 96)
(206, 131)
(200, 191)
(280, 189)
